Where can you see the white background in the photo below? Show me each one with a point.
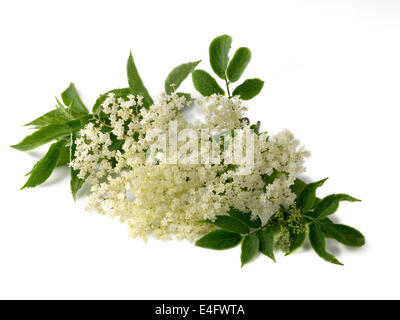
(332, 76)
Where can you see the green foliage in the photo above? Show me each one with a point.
(44, 167)
(238, 64)
(315, 212)
(219, 240)
(245, 217)
(52, 117)
(330, 204)
(250, 245)
(136, 84)
(60, 124)
(119, 93)
(296, 240)
(64, 157)
(116, 144)
(297, 187)
(177, 75)
(266, 240)
(307, 197)
(230, 224)
(43, 136)
(317, 240)
(219, 49)
(344, 234)
(205, 83)
(268, 179)
(248, 89)
(289, 228)
(72, 100)
(229, 71)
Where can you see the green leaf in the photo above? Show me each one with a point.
(268, 179)
(178, 74)
(187, 96)
(245, 217)
(116, 144)
(230, 224)
(307, 197)
(43, 169)
(248, 89)
(75, 183)
(136, 84)
(42, 136)
(330, 204)
(64, 157)
(250, 245)
(296, 241)
(219, 240)
(119, 93)
(84, 120)
(205, 83)
(219, 49)
(51, 117)
(344, 234)
(238, 64)
(324, 222)
(317, 241)
(75, 125)
(266, 240)
(316, 202)
(72, 100)
(297, 187)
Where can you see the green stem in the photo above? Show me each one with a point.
(227, 87)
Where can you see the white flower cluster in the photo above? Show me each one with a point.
(168, 200)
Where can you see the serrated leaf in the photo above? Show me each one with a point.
(230, 224)
(43, 136)
(119, 93)
(248, 89)
(317, 240)
(238, 64)
(219, 49)
(250, 245)
(75, 182)
(330, 204)
(219, 240)
(245, 217)
(177, 75)
(266, 242)
(43, 169)
(51, 117)
(72, 100)
(205, 83)
(136, 84)
(344, 234)
(307, 197)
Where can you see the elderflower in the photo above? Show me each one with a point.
(174, 199)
